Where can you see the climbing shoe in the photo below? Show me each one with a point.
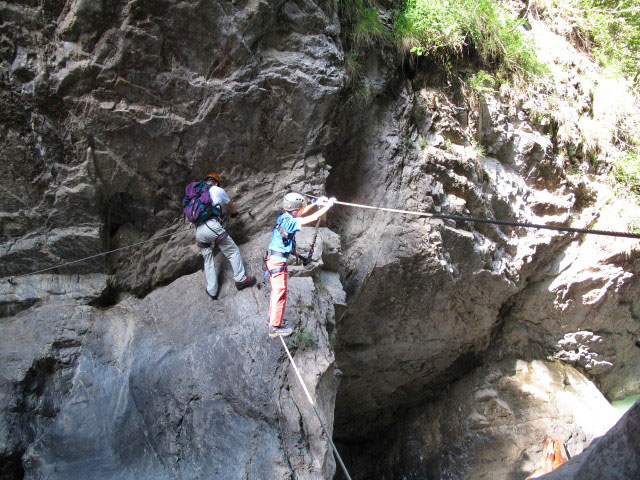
(247, 282)
(279, 332)
(213, 297)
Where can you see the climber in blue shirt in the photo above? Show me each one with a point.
(281, 246)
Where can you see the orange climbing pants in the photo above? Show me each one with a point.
(278, 299)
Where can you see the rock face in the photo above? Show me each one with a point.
(615, 455)
(489, 425)
(430, 300)
(173, 385)
(108, 111)
(121, 366)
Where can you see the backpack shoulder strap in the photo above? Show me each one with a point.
(278, 226)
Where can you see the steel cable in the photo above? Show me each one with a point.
(492, 221)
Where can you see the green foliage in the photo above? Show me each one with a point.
(409, 144)
(633, 225)
(368, 29)
(447, 28)
(362, 23)
(572, 169)
(353, 67)
(448, 145)
(615, 28)
(627, 170)
(478, 150)
(302, 338)
(610, 28)
(362, 94)
(481, 81)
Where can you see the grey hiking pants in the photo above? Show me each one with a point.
(209, 232)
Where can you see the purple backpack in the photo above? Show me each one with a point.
(197, 204)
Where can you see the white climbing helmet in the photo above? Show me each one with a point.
(293, 201)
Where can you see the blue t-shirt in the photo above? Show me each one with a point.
(290, 225)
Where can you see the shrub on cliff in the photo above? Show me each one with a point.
(443, 29)
(610, 29)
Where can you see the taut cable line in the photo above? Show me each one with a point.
(492, 221)
(324, 428)
(587, 231)
(97, 255)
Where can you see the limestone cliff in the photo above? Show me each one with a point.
(459, 345)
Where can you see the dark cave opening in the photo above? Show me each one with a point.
(11, 467)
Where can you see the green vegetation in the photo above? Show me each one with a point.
(409, 144)
(627, 171)
(365, 28)
(609, 28)
(633, 225)
(363, 94)
(352, 66)
(481, 81)
(444, 29)
(302, 338)
(478, 150)
(448, 145)
(614, 26)
(368, 29)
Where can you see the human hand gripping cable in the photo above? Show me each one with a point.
(325, 203)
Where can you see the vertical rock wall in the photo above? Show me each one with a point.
(173, 385)
(110, 108)
(107, 110)
(429, 301)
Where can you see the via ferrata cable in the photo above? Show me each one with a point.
(324, 428)
(96, 255)
(492, 221)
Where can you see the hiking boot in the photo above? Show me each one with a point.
(279, 332)
(247, 282)
(213, 297)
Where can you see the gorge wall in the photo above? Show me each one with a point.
(456, 347)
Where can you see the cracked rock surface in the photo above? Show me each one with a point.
(174, 385)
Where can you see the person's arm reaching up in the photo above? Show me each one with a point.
(326, 205)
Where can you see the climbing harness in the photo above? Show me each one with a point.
(324, 428)
(305, 260)
(268, 272)
(493, 221)
(218, 239)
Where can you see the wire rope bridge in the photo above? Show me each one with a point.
(493, 221)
